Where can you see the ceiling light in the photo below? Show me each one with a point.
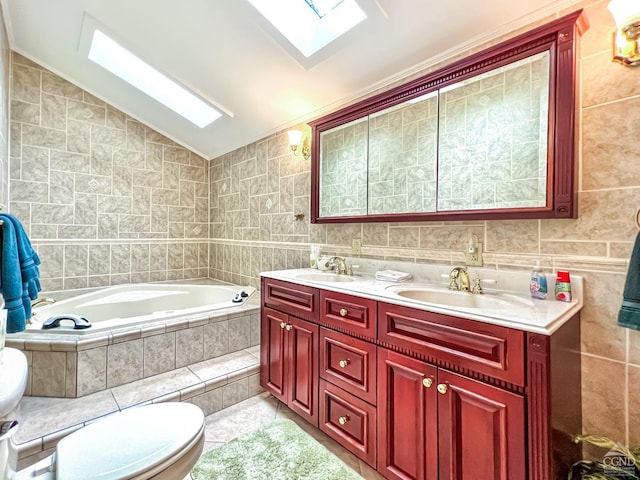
(310, 25)
(121, 62)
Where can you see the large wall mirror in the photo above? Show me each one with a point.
(489, 137)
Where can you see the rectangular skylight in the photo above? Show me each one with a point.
(311, 24)
(121, 62)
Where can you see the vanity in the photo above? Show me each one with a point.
(422, 382)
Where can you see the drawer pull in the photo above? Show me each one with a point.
(427, 382)
(343, 363)
(442, 388)
(289, 327)
(344, 419)
(343, 312)
(283, 324)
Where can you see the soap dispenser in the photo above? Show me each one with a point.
(538, 285)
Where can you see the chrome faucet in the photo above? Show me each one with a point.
(42, 301)
(459, 279)
(342, 268)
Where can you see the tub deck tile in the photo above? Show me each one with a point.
(219, 366)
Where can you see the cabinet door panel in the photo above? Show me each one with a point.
(272, 353)
(303, 368)
(481, 430)
(407, 424)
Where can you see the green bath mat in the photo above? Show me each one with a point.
(279, 450)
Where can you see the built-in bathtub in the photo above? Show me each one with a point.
(124, 306)
(137, 331)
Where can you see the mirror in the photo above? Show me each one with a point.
(488, 137)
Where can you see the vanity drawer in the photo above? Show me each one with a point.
(349, 363)
(349, 420)
(348, 313)
(488, 349)
(298, 300)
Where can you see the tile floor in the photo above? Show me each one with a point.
(250, 414)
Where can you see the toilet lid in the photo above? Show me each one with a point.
(126, 444)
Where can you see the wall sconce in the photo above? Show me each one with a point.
(300, 145)
(626, 14)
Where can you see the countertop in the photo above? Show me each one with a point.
(523, 312)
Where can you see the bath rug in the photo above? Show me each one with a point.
(279, 450)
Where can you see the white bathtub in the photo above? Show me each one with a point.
(130, 305)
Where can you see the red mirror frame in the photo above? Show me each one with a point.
(560, 38)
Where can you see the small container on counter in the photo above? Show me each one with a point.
(563, 287)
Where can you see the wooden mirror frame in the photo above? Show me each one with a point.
(560, 39)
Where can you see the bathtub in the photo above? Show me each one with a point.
(132, 305)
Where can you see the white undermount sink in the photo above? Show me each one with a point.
(13, 380)
(456, 299)
(325, 277)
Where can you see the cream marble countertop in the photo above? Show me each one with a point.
(520, 311)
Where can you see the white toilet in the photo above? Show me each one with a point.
(159, 441)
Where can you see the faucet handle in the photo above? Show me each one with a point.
(477, 285)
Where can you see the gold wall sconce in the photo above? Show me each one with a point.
(626, 38)
(300, 144)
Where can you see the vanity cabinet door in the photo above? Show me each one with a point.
(407, 420)
(302, 363)
(481, 430)
(289, 361)
(272, 352)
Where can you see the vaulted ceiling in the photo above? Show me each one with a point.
(227, 53)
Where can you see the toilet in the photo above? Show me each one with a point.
(160, 441)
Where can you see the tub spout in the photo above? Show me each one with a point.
(42, 301)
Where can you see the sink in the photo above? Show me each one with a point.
(325, 277)
(451, 298)
(13, 380)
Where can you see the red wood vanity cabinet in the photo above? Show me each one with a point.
(289, 346)
(421, 395)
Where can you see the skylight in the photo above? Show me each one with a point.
(121, 62)
(311, 24)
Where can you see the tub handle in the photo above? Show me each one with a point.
(79, 323)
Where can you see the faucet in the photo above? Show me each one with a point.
(459, 279)
(42, 301)
(342, 268)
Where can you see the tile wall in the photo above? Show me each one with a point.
(257, 190)
(105, 199)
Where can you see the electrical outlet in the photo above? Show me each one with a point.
(474, 259)
(356, 247)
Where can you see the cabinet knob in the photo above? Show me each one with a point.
(283, 324)
(442, 388)
(289, 327)
(343, 363)
(343, 312)
(427, 382)
(344, 419)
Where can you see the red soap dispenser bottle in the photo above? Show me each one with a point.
(563, 287)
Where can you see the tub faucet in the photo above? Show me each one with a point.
(342, 268)
(42, 301)
(459, 279)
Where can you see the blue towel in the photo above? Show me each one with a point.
(19, 274)
(629, 315)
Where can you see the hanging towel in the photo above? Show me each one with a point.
(629, 315)
(19, 275)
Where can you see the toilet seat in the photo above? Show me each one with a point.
(156, 441)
